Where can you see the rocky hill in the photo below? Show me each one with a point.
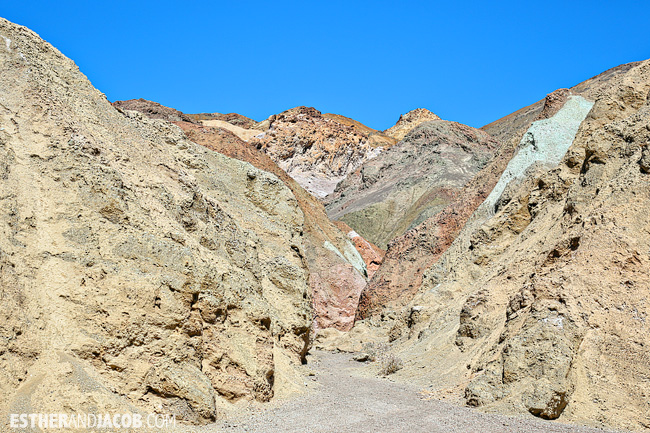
(337, 271)
(315, 149)
(540, 304)
(154, 261)
(411, 181)
(140, 271)
(151, 109)
(408, 121)
(411, 254)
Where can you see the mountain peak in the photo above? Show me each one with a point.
(409, 121)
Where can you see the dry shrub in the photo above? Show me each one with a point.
(390, 364)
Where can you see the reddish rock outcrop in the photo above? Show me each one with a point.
(553, 102)
(152, 109)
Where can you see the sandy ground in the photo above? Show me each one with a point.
(349, 402)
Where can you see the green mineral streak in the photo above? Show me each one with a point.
(351, 255)
(546, 141)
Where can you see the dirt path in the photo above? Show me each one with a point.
(348, 402)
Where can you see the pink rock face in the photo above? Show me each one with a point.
(316, 150)
(372, 255)
(336, 292)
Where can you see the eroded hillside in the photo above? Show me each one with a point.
(337, 272)
(411, 181)
(540, 304)
(318, 150)
(140, 271)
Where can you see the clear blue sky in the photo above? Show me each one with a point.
(471, 62)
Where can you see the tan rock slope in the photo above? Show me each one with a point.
(232, 118)
(337, 273)
(317, 150)
(408, 121)
(411, 181)
(139, 271)
(540, 305)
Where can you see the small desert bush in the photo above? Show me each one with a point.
(375, 351)
(390, 364)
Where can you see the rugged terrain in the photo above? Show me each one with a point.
(408, 121)
(411, 254)
(337, 272)
(232, 118)
(540, 304)
(139, 271)
(153, 110)
(364, 403)
(155, 261)
(411, 181)
(318, 150)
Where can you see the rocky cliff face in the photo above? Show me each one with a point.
(139, 271)
(372, 255)
(408, 121)
(315, 150)
(540, 305)
(411, 254)
(411, 181)
(337, 272)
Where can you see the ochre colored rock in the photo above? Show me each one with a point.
(408, 121)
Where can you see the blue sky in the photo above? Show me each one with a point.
(472, 62)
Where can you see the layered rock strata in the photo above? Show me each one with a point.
(539, 305)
